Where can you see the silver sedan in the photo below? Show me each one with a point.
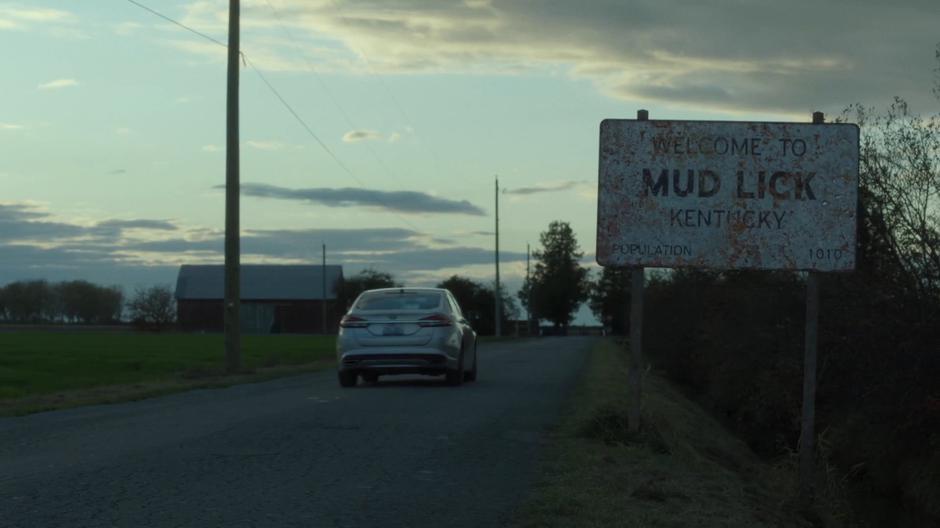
(406, 331)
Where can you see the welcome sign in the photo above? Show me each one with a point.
(727, 195)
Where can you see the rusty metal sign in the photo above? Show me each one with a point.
(727, 195)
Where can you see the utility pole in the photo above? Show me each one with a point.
(528, 302)
(233, 357)
(325, 331)
(499, 296)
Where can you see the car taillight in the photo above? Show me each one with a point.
(351, 321)
(435, 320)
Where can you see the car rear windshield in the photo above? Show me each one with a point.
(400, 301)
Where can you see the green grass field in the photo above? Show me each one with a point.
(40, 363)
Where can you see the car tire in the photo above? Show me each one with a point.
(347, 379)
(370, 377)
(455, 377)
(472, 374)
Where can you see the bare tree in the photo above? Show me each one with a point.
(153, 308)
(900, 186)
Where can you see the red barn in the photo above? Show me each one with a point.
(274, 298)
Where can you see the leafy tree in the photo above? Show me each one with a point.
(367, 279)
(84, 302)
(110, 304)
(610, 299)
(465, 291)
(29, 301)
(478, 303)
(70, 302)
(510, 308)
(559, 284)
(153, 308)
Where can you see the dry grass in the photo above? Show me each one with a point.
(683, 469)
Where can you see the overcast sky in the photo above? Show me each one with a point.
(112, 121)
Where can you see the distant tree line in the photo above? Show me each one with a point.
(82, 302)
(78, 301)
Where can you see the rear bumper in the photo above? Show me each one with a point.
(399, 361)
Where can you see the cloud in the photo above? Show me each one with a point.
(114, 251)
(122, 131)
(546, 187)
(17, 17)
(268, 53)
(741, 57)
(23, 223)
(57, 84)
(211, 148)
(421, 259)
(394, 137)
(265, 144)
(301, 242)
(292, 243)
(398, 201)
(27, 262)
(33, 246)
(10, 126)
(271, 145)
(127, 28)
(355, 136)
(140, 223)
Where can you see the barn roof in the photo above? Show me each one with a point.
(259, 282)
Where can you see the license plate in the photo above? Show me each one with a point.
(393, 330)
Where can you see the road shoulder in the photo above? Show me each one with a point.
(683, 469)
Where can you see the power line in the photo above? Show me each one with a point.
(310, 131)
(180, 24)
(395, 102)
(301, 121)
(283, 102)
(323, 85)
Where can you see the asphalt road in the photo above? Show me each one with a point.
(299, 451)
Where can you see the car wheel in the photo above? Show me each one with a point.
(455, 377)
(347, 379)
(370, 377)
(472, 375)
